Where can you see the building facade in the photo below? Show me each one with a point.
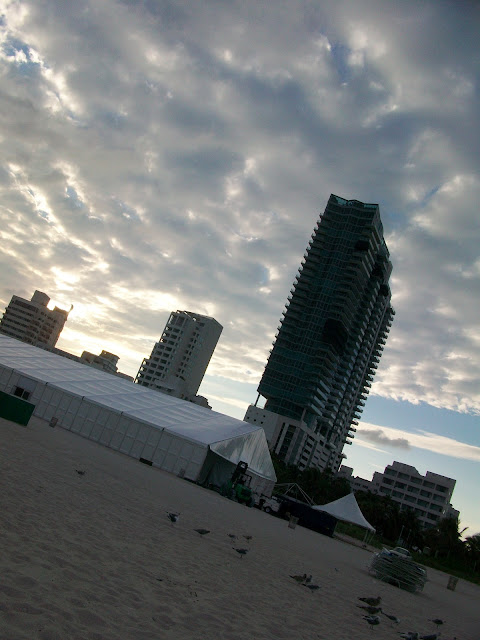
(330, 339)
(429, 496)
(180, 358)
(32, 321)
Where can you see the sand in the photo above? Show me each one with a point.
(95, 557)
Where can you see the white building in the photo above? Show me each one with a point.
(180, 358)
(32, 321)
(429, 496)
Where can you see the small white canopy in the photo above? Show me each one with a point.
(347, 510)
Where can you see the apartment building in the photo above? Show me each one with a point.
(180, 358)
(330, 339)
(429, 496)
(32, 321)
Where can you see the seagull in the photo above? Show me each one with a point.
(242, 552)
(372, 620)
(437, 621)
(80, 473)
(369, 609)
(173, 517)
(411, 635)
(202, 532)
(300, 578)
(312, 587)
(308, 579)
(373, 602)
(394, 619)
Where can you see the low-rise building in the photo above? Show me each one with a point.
(429, 496)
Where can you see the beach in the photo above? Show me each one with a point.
(94, 556)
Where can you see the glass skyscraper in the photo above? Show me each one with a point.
(330, 339)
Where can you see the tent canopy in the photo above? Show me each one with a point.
(347, 510)
(230, 438)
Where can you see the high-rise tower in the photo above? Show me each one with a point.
(330, 339)
(180, 358)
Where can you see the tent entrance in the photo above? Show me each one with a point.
(216, 471)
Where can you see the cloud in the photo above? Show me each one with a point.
(179, 154)
(377, 436)
(387, 437)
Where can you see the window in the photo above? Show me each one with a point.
(21, 393)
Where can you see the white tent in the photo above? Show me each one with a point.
(172, 434)
(347, 510)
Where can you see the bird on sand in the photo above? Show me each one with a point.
(410, 635)
(372, 620)
(372, 611)
(373, 602)
(437, 621)
(304, 579)
(393, 619)
(202, 532)
(173, 517)
(312, 587)
(242, 552)
(80, 473)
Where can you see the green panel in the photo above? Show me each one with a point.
(15, 409)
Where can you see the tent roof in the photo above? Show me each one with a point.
(225, 435)
(346, 509)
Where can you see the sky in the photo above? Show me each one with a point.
(163, 155)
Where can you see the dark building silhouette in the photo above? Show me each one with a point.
(330, 339)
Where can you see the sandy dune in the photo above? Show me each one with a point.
(95, 557)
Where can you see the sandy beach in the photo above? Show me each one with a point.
(95, 557)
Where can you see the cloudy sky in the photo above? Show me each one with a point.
(164, 155)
